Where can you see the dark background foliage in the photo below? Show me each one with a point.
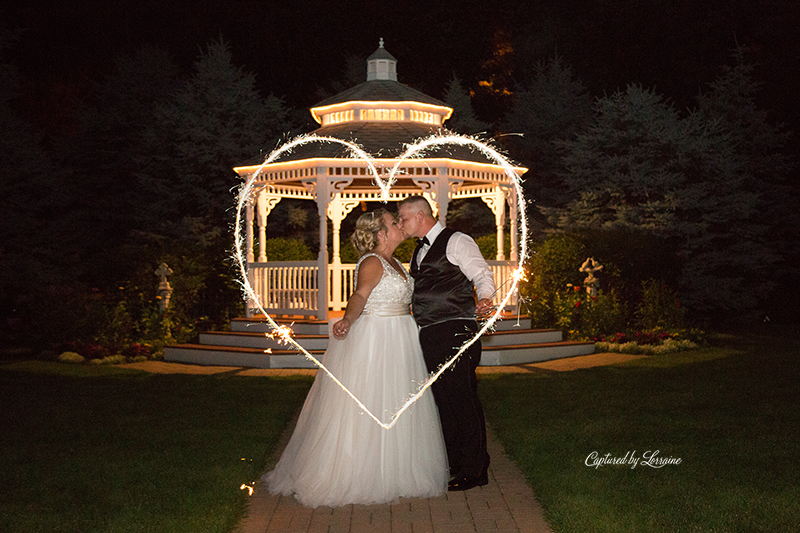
(658, 135)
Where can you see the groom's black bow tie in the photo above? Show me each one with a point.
(423, 241)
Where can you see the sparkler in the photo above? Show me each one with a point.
(413, 150)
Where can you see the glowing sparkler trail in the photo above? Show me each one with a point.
(412, 150)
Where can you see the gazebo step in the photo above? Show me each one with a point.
(248, 345)
(520, 336)
(302, 325)
(508, 322)
(533, 353)
(237, 356)
(261, 340)
(259, 358)
(299, 325)
(320, 342)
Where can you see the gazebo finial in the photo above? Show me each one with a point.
(381, 65)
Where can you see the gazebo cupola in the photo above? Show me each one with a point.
(381, 65)
(382, 116)
(381, 99)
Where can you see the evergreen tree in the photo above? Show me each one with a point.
(768, 170)
(354, 73)
(104, 201)
(554, 106)
(463, 119)
(641, 167)
(215, 121)
(34, 265)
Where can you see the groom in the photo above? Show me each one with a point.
(446, 266)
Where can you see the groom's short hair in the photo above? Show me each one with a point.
(420, 203)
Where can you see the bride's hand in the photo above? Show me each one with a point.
(341, 328)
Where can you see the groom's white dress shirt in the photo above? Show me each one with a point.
(463, 252)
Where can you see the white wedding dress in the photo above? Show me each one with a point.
(338, 455)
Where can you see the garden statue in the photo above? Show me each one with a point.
(590, 266)
(164, 288)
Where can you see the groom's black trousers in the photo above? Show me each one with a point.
(456, 394)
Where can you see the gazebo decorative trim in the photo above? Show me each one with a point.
(359, 110)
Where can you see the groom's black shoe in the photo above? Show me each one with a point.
(466, 483)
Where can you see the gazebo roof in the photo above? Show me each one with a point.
(381, 53)
(380, 91)
(385, 140)
(383, 117)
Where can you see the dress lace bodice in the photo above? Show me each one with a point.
(392, 294)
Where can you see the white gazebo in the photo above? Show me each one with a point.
(382, 116)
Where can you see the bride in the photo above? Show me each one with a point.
(337, 454)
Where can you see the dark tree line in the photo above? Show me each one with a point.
(140, 172)
(144, 174)
(707, 190)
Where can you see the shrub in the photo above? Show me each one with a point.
(287, 249)
(668, 346)
(659, 307)
(552, 266)
(405, 250)
(71, 357)
(587, 316)
(602, 313)
(488, 246)
(89, 350)
(110, 360)
(137, 350)
(349, 254)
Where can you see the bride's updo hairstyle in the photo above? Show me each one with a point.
(368, 225)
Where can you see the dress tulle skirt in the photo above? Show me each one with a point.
(338, 455)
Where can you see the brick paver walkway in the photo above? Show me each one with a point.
(506, 504)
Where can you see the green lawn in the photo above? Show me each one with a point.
(97, 448)
(731, 413)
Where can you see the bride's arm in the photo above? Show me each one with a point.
(369, 275)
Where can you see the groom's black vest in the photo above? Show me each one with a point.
(441, 290)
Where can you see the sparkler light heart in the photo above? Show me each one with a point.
(414, 150)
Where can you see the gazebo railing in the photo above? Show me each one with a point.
(290, 287)
(338, 294)
(285, 287)
(502, 271)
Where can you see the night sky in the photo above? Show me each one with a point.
(296, 48)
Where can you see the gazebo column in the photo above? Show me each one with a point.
(497, 203)
(322, 259)
(249, 215)
(513, 214)
(337, 211)
(266, 202)
(442, 193)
